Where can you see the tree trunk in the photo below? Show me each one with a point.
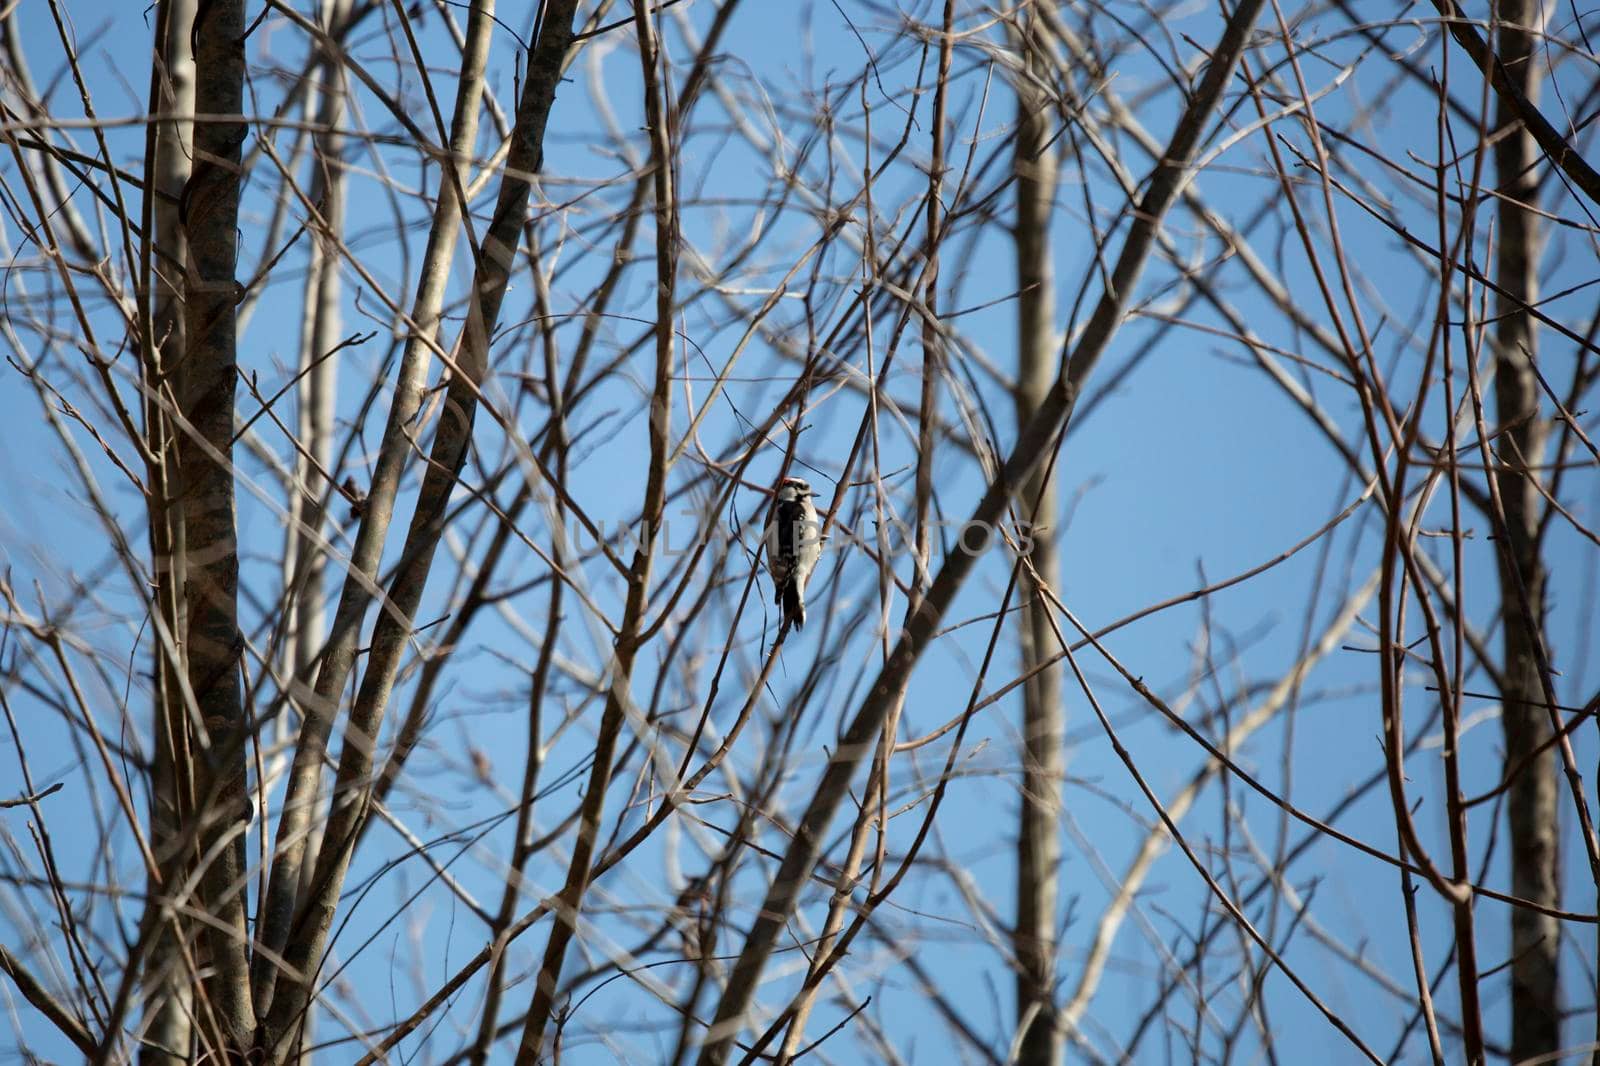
(210, 210)
(318, 385)
(1531, 800)
(168, 993)
(1038, 354)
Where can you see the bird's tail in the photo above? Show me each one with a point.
(794, 608)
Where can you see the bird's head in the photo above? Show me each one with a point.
(794, 488)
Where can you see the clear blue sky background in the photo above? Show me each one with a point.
(1195, 468)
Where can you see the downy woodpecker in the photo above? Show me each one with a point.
(794, 544)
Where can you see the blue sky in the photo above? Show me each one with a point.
(1194, 468)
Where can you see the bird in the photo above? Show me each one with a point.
(794, 544)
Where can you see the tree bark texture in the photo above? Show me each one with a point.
(209, 208)
(167, 988)
(1043, 726)
(1531, 800)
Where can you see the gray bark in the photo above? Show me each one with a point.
(167, 990)
(318, 385)
(1043, 717)
(210, 210)
(1531, 800)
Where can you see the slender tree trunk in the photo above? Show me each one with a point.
(210, 210)
(318, 385)
(1531, 800)
(1038, 355)
(168, 995)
